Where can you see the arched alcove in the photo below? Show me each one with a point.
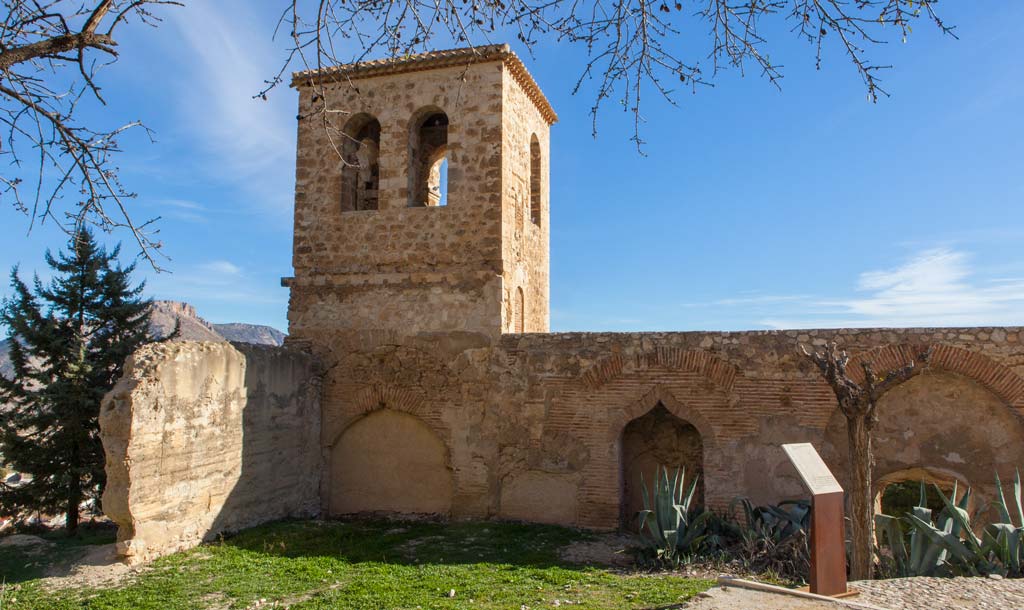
(942, 423)
(389, 461)
(897, 492)
(655, 439)
(360, 173)
(428, 159)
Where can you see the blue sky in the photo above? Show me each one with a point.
(752, 208)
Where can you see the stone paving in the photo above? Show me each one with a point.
(895, 594)
(927, 593)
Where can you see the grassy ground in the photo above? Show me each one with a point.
(307, 565)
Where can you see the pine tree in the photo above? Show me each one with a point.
(68, 343)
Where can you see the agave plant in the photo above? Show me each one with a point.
(949, 546)
(1004, 538)
(773, 538)
(927, 554)
(675, 530)
(776, 522)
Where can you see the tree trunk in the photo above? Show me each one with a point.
(862, 509)
(74, 500)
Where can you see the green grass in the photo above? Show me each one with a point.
(362, 564)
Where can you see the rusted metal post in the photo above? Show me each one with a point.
(828, 542)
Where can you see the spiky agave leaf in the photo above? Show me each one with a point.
(943, 538)
(890, 528)
(961, 519)
(1000, 503)
(1016, 495)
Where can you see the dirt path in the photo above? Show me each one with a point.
(96, 566)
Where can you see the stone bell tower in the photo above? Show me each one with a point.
(421, 197)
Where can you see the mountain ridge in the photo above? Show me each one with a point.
(193, 327)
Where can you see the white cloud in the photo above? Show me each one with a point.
(226, 55)
(220, 268)
(216, 281)
(182, 204)
(181, 209)
(938, 287)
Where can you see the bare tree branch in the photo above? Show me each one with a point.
(42, 43)
(633, 46)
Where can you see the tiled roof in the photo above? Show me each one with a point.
(432, 61)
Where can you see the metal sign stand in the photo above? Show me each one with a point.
(828, 544)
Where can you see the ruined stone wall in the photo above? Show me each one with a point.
(443, 395)
(204, 438)
(532, 425)
(525, 243)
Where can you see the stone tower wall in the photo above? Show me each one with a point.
(401, 267)
(525, 244)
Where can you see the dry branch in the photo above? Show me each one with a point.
(50, 154)
(633, 46)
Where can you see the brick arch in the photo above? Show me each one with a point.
(378, 396)
(998, 379)
(605, 413)
(650, 399)
(702, 362)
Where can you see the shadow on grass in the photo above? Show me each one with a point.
(37, 553)
(414, 542)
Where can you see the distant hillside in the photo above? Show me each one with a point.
(193, 328)
(250, 333)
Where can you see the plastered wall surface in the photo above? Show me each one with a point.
(204, 438)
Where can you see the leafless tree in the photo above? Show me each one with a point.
(633, 45)
(50, 53)
(858, 403)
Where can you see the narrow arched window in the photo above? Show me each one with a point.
(535, 180)
(428, 160)
(360, 172)
(519, 311)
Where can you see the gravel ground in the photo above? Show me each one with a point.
(927, 593)
(736, 598)
(895, 594)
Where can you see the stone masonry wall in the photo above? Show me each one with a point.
(442, 394)
(416, 268)
(204, 438)
(525, 244)
(532, 424)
